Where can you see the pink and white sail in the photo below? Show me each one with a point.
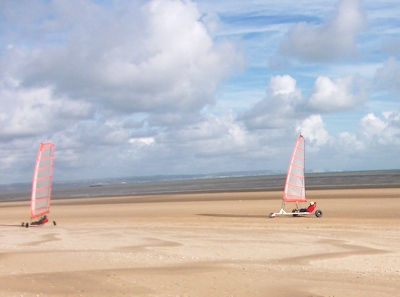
(42, 180)
(295, 189)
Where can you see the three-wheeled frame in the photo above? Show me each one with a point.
(39, 222)
(295, 212)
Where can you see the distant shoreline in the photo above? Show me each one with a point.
(260, 183)
(141, 198)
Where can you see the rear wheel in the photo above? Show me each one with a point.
(318, 213)
(295, 214)
(27, 225)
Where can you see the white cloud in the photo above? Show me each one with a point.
(387, 77)
(279, 107)
(128, 87)
(142, 140)
(334, 39)
(36, 111)
(213, 136)
(371, 125)
(282, 85)
(347, 143)
(217, 142)
(384, 131)
(313, 129)
(147, 58)
(101, 79)
(339, 94)
(284, 103)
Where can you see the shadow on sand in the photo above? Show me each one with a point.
(11, 225)
(231, 215)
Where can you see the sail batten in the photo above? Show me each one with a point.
(42, 180)
(295, 190)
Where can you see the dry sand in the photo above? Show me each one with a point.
(221, 244)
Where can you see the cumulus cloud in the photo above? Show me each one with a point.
(213, 136)
(279, 107)
(375, 137)
(372, 125)
(212, 142)
(282, 85)
(127, 88)
(284, 103)
(387, 77)
(36, 111)
(313, 129)
(333, 39)
(348, 143)
(150, 57)
(107, 78)
(381, 131)
(338, 94)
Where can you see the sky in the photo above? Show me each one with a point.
(165, 87)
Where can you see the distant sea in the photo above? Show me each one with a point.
(219, 182)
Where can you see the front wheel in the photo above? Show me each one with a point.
(318, 213)
(271, 215)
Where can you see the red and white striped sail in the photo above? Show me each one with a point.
(42, 180)
(295, 189)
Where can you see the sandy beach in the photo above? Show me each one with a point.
(214, 244)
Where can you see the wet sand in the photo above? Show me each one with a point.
(215, 244)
